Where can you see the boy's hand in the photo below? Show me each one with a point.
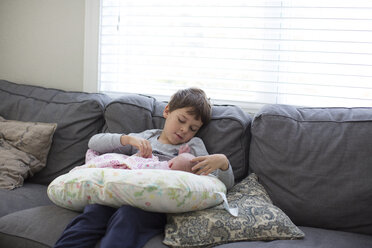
(210, 163)
(143, 145)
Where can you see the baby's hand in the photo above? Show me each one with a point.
(184, 149)
(210, 163)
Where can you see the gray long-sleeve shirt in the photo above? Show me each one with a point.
(110, 142)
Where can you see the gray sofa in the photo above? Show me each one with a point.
(315, 164)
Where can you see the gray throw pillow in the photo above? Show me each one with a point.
(24, 147)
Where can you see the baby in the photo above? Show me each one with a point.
(182, 162)
(93, 159)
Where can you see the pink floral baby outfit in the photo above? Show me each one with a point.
(121, 161)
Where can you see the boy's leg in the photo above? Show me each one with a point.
(132, 227)
(87, 228)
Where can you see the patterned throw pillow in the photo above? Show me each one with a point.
(24, 147)
(258, 219)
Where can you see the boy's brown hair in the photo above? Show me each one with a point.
(194, 98)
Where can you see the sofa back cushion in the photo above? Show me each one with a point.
(316, 164)
(227, 133)
(78, 116)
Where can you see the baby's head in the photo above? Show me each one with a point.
(182, 162)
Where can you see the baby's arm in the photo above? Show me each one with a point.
(184, 149)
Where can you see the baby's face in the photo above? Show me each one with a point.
(182, 162)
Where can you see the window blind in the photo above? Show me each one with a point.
(310, 53)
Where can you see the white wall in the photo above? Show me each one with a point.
(42, 42)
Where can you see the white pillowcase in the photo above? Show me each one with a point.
(166, 191)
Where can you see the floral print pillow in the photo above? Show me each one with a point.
(166, 191)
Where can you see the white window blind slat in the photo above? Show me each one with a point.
(316, 53)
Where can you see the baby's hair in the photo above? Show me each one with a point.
(194, 98)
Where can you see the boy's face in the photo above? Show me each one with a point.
(179, 126)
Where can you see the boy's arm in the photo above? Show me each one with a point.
(219, 164)
(216, 164)
(141, 144)
(107, 142)
(226, 176)
(121, 143)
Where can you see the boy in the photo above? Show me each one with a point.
(131, 227)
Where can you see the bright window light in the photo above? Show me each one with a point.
(310, 53)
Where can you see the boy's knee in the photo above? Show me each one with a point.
(129, 213)
(98, 211)
(140, 217)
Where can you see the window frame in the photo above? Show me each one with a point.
(91, 46)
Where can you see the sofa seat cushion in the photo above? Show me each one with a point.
(48, 223)
(37, 227)
(315, 164)
(28, 196)
(78, 116)
(314, 238)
